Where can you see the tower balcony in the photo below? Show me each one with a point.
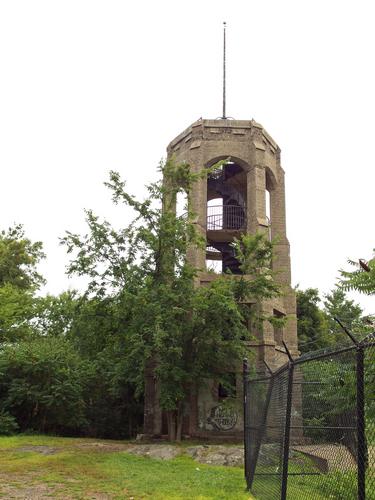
(226, 218)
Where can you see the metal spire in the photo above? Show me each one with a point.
(224, 72)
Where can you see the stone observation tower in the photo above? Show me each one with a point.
(246, 195)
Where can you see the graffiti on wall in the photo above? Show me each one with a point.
(222, 418)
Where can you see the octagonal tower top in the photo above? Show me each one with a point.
(224, 130)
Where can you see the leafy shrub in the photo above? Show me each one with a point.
(46, 386)
(42, 385)
(112, 409)
(8, 424)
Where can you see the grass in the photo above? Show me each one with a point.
(305, 488)
(80, 469)
(335, 485)
(80, 472)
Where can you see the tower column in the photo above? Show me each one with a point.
(256, 199)
(198, 205)
(278, 228)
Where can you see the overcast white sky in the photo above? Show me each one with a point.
(87, 86)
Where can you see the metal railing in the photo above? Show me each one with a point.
(221, 217)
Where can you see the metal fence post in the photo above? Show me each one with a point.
(262, 431)
(245, 370)
(360, 403)
(361, 437)
(288, 414)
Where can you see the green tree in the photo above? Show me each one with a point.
(167, 322)
(19, 279)
(361, 278)
(17, 310)
(33, 327)
(312, 326)
(56, 315)
(112, 409)
(337, 305)
(95, 327)
(19, 258)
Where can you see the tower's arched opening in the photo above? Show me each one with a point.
(228, 183)
(226, 214)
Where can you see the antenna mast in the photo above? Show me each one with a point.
(224, 72)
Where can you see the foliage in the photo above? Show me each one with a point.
(337, 305)
(90, 324)
(55, 315)
(329, 392)
(96, 328)
(8, 424)
(112, 410)
(122, 259)
(17, 309)
(189, 331)
(255, 253)
(335, 394)
(41, 385)
(19, 258)
(361, 279)
(93, 329)
(89, 337)
(317, 327)
(311, 321)
(19, 280)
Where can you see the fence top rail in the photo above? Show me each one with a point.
(269, 377)
(307, 358)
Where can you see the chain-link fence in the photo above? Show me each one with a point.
(310, 427)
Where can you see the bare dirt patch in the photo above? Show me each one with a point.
(102, 447)
(43, 450)
(26, 487)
